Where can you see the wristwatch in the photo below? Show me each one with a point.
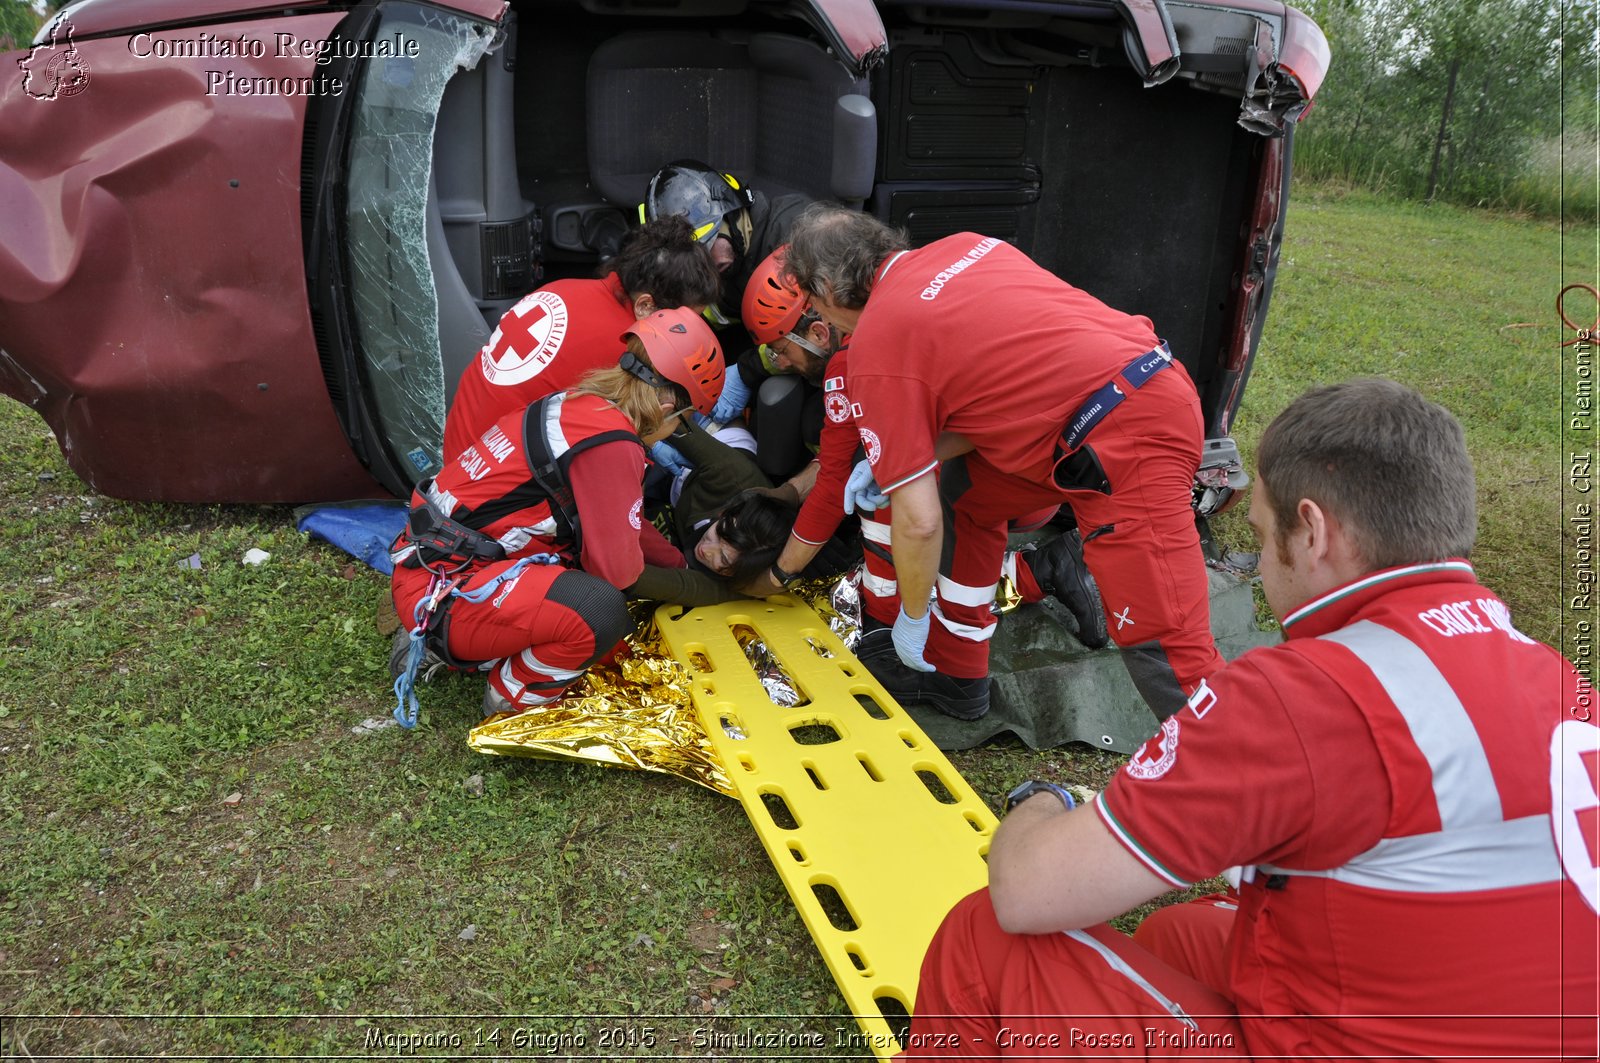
(1034, 786)
(783, 578)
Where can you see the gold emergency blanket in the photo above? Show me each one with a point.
(632, 712)
(636, 711)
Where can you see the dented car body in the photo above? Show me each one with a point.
(247, 250)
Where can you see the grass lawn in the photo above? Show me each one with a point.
(191, 826)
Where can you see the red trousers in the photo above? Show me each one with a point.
(880, 591)
(533, 638)
(1140, 544)
(1087, 994)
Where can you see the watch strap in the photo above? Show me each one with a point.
(1035, 786)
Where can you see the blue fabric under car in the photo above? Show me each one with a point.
(362, 530)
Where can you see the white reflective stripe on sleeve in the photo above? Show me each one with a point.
(879, 587)
(875, 531)
(961, 594)
(553, 435)
(1122, 967)
(560, 674)
(1463, 785)
(966, 631)
(1489, 856)
(925, 470)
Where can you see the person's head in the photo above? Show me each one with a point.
(662, 266)
(673, 363)
(715, 204)
(747, 537)
(676, 351)
(779, 316)
(834, 253)
(1357, 477)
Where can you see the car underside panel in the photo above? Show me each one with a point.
(152, 278)
(1134, 194)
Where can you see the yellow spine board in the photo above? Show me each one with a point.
(872, 830)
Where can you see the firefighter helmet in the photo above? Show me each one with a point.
(699, 193)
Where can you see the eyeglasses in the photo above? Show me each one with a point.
(780, 347)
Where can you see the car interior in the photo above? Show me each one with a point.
(1023, 120)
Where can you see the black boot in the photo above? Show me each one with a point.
(400, 652)
(875, 640)
(963, 699)
(1059, 570)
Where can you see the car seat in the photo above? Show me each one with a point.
(775, 110)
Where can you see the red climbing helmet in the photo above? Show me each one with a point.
(683, 349)
(773, 306)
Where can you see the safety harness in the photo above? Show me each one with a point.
(451, 547)
(431, 613)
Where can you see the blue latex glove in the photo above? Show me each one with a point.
(735, 397)
(861, 490)
(668, 457)
(909, 638)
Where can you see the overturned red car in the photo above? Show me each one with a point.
(248, 248)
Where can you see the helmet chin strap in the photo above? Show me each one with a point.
(740, 231)
(806, 345)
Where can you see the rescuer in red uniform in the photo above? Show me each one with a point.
(1405, 791)
(1032, 393)
(780, 316)
(518, 556)
(550, 339)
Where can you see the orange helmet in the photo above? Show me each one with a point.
(684, 350)
(772, 304)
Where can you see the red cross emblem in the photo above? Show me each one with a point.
(528, 338)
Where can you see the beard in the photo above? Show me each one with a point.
(814, 371)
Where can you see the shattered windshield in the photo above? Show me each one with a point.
(416, 51)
